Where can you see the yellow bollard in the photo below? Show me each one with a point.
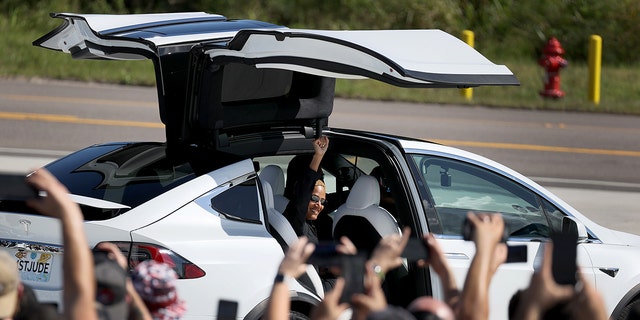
(468, 38)
(595, 62)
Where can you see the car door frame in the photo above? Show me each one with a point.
(460, 253)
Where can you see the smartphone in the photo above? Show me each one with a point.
(15, 187)
(565, 246)
(227, 310)
(415, 250)
(352, 270)
(325, 255)
(516, 254)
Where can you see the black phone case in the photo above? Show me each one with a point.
(15, 187)
(353, 273)
(517, 254)
(565, 246)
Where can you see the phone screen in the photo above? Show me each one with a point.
(15, 187)
(565, 246)
(516, 254)
(227, 310)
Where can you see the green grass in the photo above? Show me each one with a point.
(620, 91)
(19, 58)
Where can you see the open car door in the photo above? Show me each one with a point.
(217, 77)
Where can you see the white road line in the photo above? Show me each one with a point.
(586, 183)
(16, 164)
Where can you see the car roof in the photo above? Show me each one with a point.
(219, 78)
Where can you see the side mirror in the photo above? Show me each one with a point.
(572, 225)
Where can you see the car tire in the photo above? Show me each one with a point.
(624, 314)
(295, 315)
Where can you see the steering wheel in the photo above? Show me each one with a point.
(532, 229)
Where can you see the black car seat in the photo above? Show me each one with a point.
(364, 222)
(361, 218)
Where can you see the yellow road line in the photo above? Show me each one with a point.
(73, 119)
(533, 147)
(457, 143)
(84, 101)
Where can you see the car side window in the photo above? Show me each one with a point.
(240, 202)
(454, 188)
(554, 215)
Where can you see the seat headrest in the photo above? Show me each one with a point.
(275, 176)
(365, 193)
(268, 194)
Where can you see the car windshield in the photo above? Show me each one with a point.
(128, 174)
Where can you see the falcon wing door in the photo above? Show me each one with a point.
(285, 78)
(406, 58)
(219, 78)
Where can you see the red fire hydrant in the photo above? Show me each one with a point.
(552, 62)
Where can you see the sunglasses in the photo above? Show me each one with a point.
(317, 199)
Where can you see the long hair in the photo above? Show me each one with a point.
(295, 170)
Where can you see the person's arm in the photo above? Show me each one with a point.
(320, 147)
(296, 210)
(345, 246)
(79, 279)
(387, 253)
(330, 307)
(373, 299)
(488, 232)
(137, 305)
(292, 265)
(438, 262)
(587, 303)
(543, 292)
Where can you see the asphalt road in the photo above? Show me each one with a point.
(590, 160)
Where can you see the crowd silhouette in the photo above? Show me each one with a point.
(98, 286)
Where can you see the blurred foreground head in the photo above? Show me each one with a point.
(429, 308)
(9, 281)
(155, 282)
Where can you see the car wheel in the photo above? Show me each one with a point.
(624, 314)
(295, 315)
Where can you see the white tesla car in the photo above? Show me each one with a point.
(239, 100)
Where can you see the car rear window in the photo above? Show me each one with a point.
(128, 174)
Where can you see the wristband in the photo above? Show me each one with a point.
(378, 271)
(279, 278)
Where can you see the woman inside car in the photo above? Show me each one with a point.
(307, 194)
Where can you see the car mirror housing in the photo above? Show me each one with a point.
(572, 225)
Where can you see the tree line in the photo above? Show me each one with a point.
(504, 28)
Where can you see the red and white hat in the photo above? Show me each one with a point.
(155, 283)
